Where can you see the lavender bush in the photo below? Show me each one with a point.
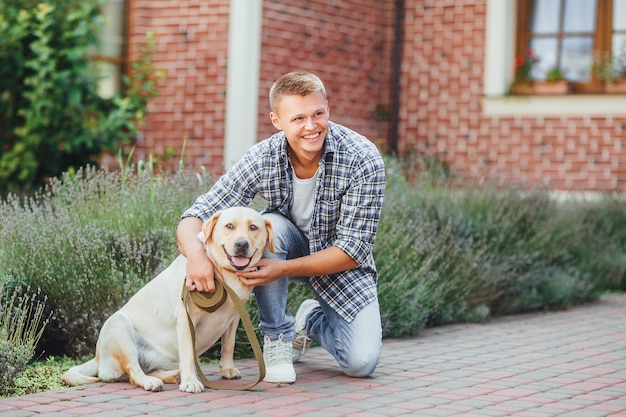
(446, 251)
(91, 240)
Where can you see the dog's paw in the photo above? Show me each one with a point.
(191, 386)
(230, 373)
(153, 384)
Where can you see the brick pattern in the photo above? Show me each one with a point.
(349, 43)
(345, 42)
(441, 114)
(192, 49)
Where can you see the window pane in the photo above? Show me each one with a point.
(619, 14)
(619, 51)
(545, 49)
(576, 58)
(544, 16)
(580, 16)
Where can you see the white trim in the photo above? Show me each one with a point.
(499, 46)
(242, 98)
(499, 61)
(582, 105)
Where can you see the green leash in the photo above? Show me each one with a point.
(210, 302)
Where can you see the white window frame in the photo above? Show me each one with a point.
(500, 32)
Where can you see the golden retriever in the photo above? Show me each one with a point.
(148, 340)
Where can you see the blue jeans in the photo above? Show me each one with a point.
(356, 345)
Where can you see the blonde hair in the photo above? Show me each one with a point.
(295, 83)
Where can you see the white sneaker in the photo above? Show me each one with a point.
(278, 366)
(301, 341)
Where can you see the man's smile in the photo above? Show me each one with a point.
(312, 136)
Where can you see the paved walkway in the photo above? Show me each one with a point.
(570, 364)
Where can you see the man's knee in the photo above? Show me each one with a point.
(363, 365)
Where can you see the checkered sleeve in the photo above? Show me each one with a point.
(235, 188)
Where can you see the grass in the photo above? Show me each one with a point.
(446, 251)
(43, 375)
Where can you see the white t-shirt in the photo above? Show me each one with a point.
(303, 201)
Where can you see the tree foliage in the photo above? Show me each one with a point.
(51, 117)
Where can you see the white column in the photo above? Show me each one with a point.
(499, 47)
(242, 85)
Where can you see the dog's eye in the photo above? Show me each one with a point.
(229, 226)
(254, 227)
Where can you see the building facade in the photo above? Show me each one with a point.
(431, 76)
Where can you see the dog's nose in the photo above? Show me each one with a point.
(241, 246)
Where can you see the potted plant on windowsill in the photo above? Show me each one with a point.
(554, 84)
(523, 83)
(612, 76)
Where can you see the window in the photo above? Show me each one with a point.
(110, 57)
(568, 34)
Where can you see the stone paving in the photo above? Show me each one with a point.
(569, 363)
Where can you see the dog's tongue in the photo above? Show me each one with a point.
(240, 260)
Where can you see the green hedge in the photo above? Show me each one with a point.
(446, 252)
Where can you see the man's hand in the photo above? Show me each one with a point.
(200, 269)
(200, 273)
(328, 261)
(267, 271)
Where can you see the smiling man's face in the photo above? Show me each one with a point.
(304, 119)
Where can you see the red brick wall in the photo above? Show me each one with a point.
(442, 85)
(345, 42)
(192, 49)
(348, 43)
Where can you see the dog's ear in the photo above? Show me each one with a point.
(270, 235)
(209, 226)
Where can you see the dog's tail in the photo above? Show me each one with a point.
(87, 373)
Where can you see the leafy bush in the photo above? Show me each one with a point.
(90, 241)
(39, 376)
(21, 328)
(51, 117)
(446, 252)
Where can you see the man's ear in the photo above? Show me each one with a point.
(275, 121)
(209, 226)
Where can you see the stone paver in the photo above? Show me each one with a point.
(568, 364)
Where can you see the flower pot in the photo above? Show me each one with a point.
(522, 89)
(616, 88)
(560, 87)
(550, 87)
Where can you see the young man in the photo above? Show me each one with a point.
(324, 186)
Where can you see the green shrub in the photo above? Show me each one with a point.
(90, 241)
(446, 252)
(51, 117)
(450, 253)
(39, 376)
(21, 327)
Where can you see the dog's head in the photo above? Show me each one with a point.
(235, 238)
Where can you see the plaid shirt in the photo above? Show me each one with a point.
(348, 203)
